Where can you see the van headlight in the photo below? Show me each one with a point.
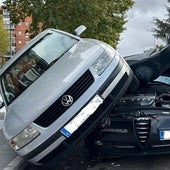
(23, 138)
(102, 63)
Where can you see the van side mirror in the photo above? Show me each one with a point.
(79, 30)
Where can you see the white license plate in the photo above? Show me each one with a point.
(82, 116)
(164, 135)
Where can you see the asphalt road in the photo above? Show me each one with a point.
(143, 163)
(80, 160)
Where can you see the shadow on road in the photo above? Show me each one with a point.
(81, 160)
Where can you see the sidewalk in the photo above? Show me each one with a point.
(8, 158)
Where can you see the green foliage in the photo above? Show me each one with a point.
(4, 38)
(162, 30)
(104, 19)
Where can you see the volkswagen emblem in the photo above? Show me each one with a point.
(67, 100)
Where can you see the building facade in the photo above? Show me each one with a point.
(21, 33)
(18, 33)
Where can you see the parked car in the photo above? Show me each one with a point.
(140, 123)
(56, 90)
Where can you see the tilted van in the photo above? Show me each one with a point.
(56, 90)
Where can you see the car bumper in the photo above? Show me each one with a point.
(136, 135)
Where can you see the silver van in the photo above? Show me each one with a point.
(56, 90)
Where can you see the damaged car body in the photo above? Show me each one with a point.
(139, 124)
(56, 91)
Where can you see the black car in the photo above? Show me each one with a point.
(151, 64)
(140, 123)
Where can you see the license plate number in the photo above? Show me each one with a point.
(82, 116)
(164, 135)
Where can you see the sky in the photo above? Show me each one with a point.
(1, 2)
(138, 36)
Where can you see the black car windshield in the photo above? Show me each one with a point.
(32, 63)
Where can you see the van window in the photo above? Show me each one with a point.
(33, 63)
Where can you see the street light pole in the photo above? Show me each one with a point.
(10, 30)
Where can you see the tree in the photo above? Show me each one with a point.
(4, 38)
(163, 28)
(104, 19)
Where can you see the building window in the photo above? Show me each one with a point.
(26, 37)
(27, 42)
(13, 39)
(5, 12)
(27, 24)
(19, 32)
(6, 20)
(19, 42)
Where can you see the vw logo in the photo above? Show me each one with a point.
(67, 100)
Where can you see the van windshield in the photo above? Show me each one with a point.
(32, 63)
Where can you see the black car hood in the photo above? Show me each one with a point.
(150, 65)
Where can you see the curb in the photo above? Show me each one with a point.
(21, 165)
(15, 164)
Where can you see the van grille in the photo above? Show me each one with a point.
(142, 128)
(57, 109)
